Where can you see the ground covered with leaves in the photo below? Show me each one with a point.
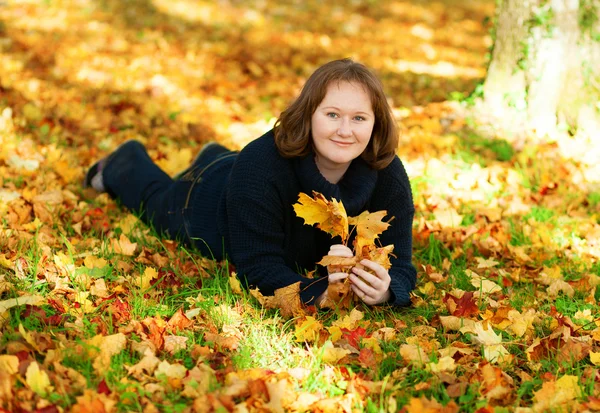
(98, 313)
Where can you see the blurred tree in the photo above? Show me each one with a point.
(545, 69)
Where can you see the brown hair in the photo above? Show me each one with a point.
(293, 135)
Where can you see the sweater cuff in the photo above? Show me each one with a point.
(400, 289)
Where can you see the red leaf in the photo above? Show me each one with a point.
(465, 306)
(103, 388)
(353, 337)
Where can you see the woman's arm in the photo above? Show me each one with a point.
(394, 195)
(256, 229)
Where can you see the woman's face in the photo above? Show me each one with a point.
(341, 126)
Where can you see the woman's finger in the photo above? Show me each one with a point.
(377, 268)
(340, 250)
(337, 277)
(363, 296)
(375, 281)
(369, 290)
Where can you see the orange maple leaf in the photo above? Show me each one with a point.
(286, 299)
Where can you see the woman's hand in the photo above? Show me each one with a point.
(336, 273)
(376, 289)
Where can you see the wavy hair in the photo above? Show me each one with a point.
(293, 135)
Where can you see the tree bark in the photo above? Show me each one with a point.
(544, 76)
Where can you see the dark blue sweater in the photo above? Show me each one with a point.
(271, 247)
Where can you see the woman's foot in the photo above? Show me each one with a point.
(93, 177)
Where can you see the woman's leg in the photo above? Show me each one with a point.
(132, 177)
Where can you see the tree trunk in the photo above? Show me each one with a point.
(544, 76)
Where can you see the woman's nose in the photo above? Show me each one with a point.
(345, 129)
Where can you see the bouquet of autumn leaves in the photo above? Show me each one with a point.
(331, 217)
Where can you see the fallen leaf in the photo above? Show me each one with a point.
(174, 371)
(23, 300)
(286, 299)
(9, 364)
(556, 394)
(424, 405)
(123, 246)
(493, 350)
(38, 380)
(234, 284)
(333, 354)
(309, 330)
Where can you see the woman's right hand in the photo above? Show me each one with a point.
(336, 272)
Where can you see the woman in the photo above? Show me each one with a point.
(338, 138)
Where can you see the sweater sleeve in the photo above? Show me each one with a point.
(256, 230)
(399, 204)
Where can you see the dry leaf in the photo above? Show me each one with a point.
(123, 246)
(369, 225)
(308, 331)
(9, 364)
(174, 371)
(329, 216)
(286, 299)
(38, 380)
(333, 354)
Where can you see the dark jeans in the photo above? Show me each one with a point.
(178, 208)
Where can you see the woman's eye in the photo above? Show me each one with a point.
(332, 115)
(359, 118)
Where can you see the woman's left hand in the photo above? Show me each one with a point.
(377, 290)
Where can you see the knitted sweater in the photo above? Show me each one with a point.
(272, 248)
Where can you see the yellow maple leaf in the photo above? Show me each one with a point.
(349, 321)
(29, 338)
(444, 364)
(38, 380)
(123, 245)
(175, 160)
(333, 354)
(234, 283)
(173, 371)
(413, 353)
(66, 172)
(308, 330)
(493, 350)
(9, 364)
(486, 286)
(33, 225)
(6, 263)
(379, 255)
(369, 225)
(595, 358)
(329, 216)
(553, 394)
(143, 281)
(372, 343)
(92, 261)
(521, 323)
(99, 289)
(424, 405)
(104, 347)
(146, 365)
(448, 217)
